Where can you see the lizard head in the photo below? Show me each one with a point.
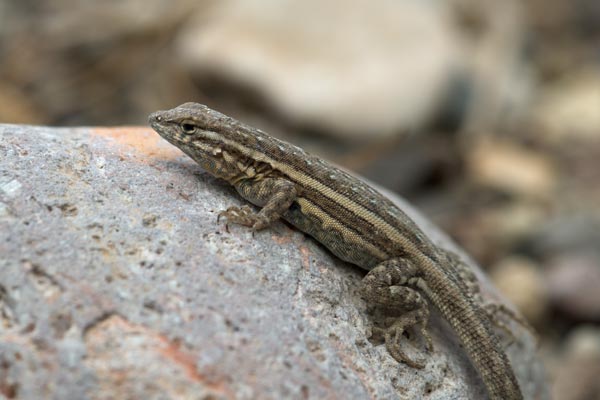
(207, 136)
(222, 145)
(190, 125)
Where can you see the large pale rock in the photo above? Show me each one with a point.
(570, 108)
(364, 69)
(352, 68)
(117, 282)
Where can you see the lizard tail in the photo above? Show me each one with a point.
(473, 328)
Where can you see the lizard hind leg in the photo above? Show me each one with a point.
(388, 287)
(497, 313)
(394, 334)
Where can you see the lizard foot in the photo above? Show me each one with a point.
(387, 287)
(394, 333)
(245, 216)
(497, 313)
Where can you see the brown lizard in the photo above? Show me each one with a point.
(356, 223)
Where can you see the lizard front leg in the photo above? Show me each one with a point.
(390, 286)
(274, 195)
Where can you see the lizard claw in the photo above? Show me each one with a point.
(238, 215)
(393, 338)
(394, 333)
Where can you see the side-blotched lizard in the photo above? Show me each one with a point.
(355, 222)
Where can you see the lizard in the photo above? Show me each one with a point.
(406, 270)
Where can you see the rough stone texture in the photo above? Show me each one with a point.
(117, 282)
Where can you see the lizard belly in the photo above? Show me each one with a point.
(345, 243)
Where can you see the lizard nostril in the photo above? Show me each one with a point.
(155, 118)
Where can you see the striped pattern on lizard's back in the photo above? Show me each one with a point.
(346, 215)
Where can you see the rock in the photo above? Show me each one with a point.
(512, 168)
(504, 225)
(359, 70)
(576, 374)
(117, 282)
(500, 78)
(522, 282)
(570, 108)
(573, 281)
(349, 68)
(570, 232)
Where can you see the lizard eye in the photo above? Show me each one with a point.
(188, 128)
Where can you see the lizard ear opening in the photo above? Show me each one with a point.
(188, 127)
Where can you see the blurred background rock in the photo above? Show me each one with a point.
(484, 114)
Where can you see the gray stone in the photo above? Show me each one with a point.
(117, 282)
